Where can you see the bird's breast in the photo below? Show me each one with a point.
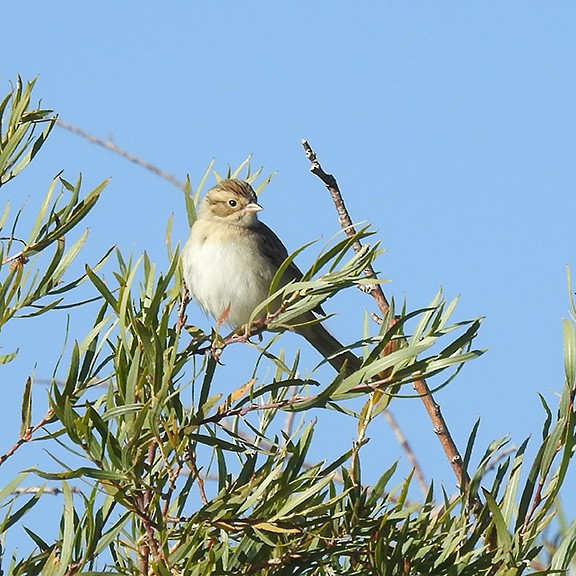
(222, 271)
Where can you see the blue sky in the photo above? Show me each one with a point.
(449, 125)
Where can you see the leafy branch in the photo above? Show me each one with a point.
(177, 466)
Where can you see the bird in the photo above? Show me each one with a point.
(230, 259)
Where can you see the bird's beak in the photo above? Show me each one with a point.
(252, 208)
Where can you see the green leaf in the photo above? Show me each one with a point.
(11, 485)
(74, 213)
(217, 442)
(94, 473)
(66, 549)
(470, 445)
(189, 202)
(504, 538)
(125, 409)
(26, 408)
(33, 149)
(11, 519)
(102, 288)
(294, 502)
(569, 339)
(509, 506)
(5, 358)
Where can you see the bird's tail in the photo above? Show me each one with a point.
(330, 348)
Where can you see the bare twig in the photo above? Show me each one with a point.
(181, 322)
(250, 408)
(405, 445)
(433, 409)
(375, 290)
(27, 436)
(173, 475)
(289, 423)
(109, 145)
(50, 490)
(191, 460)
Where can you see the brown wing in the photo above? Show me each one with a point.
(273, 249)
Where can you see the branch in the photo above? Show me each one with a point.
(405, 445)
(191, 460)
(50, 490)
(141, 504)
(27, 436)
(109, 145)
(433, 409)
(250, 408)
(375, 290)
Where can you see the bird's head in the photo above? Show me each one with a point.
(233, 201)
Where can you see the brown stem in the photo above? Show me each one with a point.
(433, 409)
(27, 436)
(142, 503)
(537, 499)
(143, 558)
(192, 463)
(181, 321)
(173, 475)
(345, 221)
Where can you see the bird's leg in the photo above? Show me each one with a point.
(217, 343)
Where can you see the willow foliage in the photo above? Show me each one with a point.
(167, 475)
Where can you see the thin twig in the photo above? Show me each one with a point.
(192, 463)
(184, 299)
(27, 436)
(405, 445)
(375, 290)
(289, 423)
(50, 490)
(109, 145)
(433, 409)
(174, 474)
(250, 408)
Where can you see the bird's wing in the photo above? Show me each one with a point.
(273, 249)
(275, 252)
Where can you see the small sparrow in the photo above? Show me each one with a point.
(230, 259)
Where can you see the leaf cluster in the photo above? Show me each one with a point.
(165, 474)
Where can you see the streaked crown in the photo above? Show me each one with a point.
(233, 200)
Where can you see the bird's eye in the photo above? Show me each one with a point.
(232, 203)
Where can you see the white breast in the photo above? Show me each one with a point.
(221, 273)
